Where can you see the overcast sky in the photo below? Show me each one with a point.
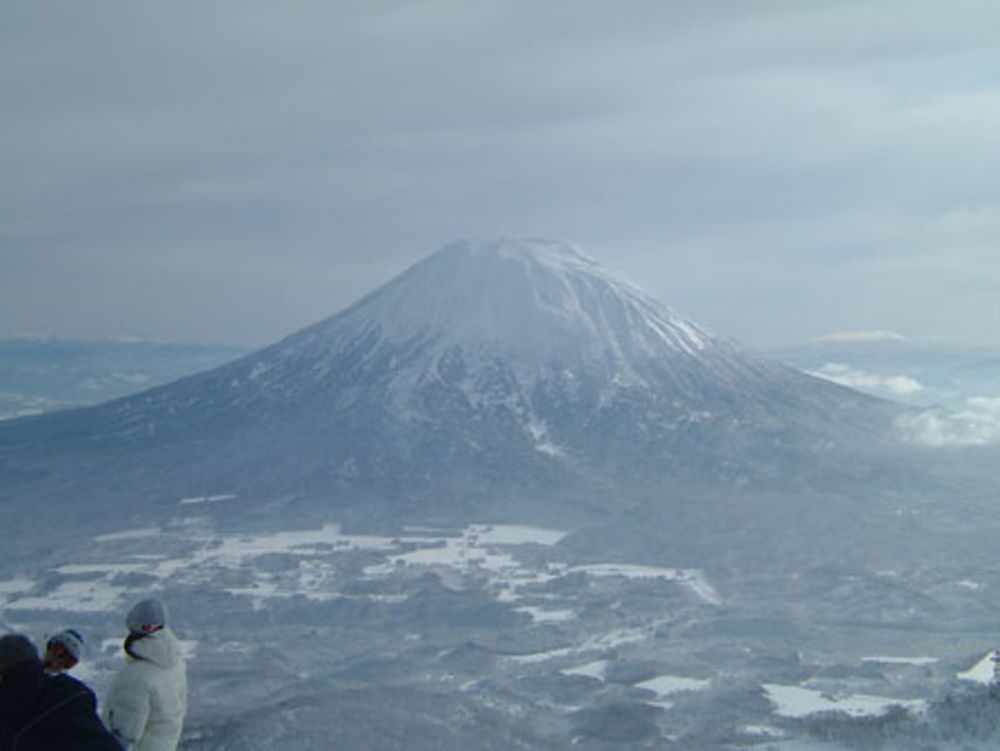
(235, 170)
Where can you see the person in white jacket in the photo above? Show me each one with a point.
(146, 703)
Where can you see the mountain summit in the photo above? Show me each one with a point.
(531, 308)
(530, 300)
(488, 375)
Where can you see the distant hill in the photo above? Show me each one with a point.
(40, 375)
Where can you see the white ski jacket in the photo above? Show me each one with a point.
(147, 700)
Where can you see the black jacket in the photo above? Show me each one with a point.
(40, 712)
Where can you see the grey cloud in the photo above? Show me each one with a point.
(893, 386)
(978, 424)
(736, 159)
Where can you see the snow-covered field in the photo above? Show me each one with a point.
(983, 671)
(574, 636)
(490, 550)
(510, 562)
(797, 701)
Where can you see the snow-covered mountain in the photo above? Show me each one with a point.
(489, 375)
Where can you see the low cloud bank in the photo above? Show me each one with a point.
(976, 425)
(893, 385)
(862, 336)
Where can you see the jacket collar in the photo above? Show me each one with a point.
(160, 648)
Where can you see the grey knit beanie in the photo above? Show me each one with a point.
(146, 616)
(15, 649)
(71, 639)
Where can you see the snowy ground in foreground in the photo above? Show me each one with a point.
(506, 558)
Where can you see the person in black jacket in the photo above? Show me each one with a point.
(41, 712)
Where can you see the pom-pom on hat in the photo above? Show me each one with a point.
(146, 616)
(71, 640)
(15, 649)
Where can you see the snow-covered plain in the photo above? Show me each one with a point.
(573, 618)
(595, 669)
(984, 671)
(666, 685)
(488, 549)
(798, 701)
(902, 660)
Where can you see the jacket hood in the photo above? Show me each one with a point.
(160, 648)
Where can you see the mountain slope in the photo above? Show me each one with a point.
(487, 375)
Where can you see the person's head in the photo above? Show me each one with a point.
(146, 616)
(63, 650)
(14, 650)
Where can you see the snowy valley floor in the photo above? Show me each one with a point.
(314, 638)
